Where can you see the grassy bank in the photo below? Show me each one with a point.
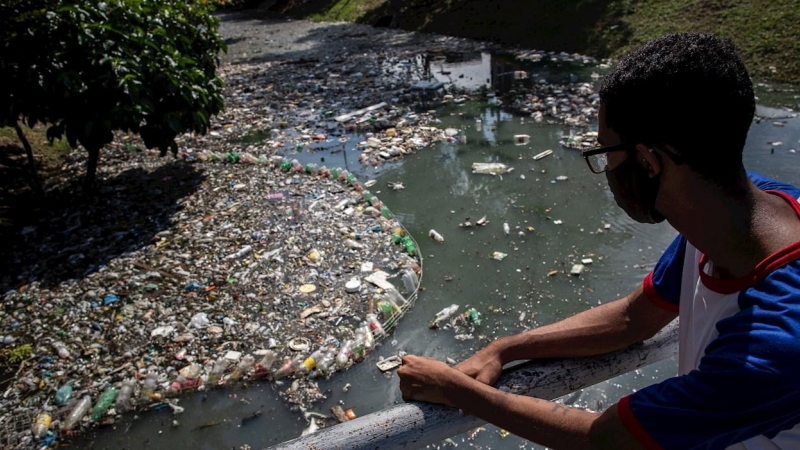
(16, 197)
(767, 33)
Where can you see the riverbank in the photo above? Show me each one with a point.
(767, 34)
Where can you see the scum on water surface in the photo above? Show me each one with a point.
(191, 274)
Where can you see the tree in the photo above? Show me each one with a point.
(89, 68)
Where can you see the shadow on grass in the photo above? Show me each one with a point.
(71, 238)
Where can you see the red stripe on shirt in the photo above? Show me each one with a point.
(634, 427)
(771, 263)
(652, 295)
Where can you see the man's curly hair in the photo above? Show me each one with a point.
(689, 90)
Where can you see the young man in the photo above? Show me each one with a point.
(673, 121)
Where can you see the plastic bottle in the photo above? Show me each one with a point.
(103, 403)
(149, 387)
(286, 369)
(385, 308)
(61, 349)
(243, 367)
(369, 336)
(374, 327)
(123, 402)
(367, 196)
(410, 281)
(311, 362)
(325, 172)
(385, 212)
(263, 366)
(216, 372)
(351, 179)
(445, 313)
(41, 425)
(289, 367)
(248, 158)
(473, 316)
(64, 394)
(392, 299)
(188, 378)
(359, 347)
(325, 365)
(343, 356)
(297, 167)
(77, 413)
(334, 173)
(392, 294)
(409, 245)
(343, 174)
(286, 165)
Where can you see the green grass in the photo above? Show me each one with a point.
(346, 10)
(48, 157)
(767, 34)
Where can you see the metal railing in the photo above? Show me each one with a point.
(415, 425)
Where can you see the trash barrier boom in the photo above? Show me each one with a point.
(415, 425)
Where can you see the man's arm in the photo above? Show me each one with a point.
(541, 421)
(606, 328)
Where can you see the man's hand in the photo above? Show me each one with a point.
(425, 380)
(484, 366)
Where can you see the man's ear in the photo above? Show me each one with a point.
(649, 160)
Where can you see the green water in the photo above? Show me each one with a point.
(440, 192)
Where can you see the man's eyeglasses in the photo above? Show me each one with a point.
(597, 158)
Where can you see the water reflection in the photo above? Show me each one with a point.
(501, 72)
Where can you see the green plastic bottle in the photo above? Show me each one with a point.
(368, 197)
(396, 239)
(64, 394)
(351, 179)
(335, 173)
(385, 212)
(103, 403)
(473, 316)
(410, 247)
(286, 165)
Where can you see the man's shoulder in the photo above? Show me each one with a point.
(768, 184)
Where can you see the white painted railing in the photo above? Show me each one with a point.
(415, 425)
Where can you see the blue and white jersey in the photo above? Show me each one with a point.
(738, 383)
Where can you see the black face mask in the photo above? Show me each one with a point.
(634, 191)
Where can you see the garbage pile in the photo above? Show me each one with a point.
(575, 104)
(581, 141)
(271, 272)
(361, 101)
(235, 262)
(262, 268)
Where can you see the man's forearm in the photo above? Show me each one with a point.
(541, 421)
(599, 330)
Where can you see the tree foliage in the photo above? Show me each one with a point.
(89, 68)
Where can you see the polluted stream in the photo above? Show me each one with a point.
(512, 241)
(558, 213)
